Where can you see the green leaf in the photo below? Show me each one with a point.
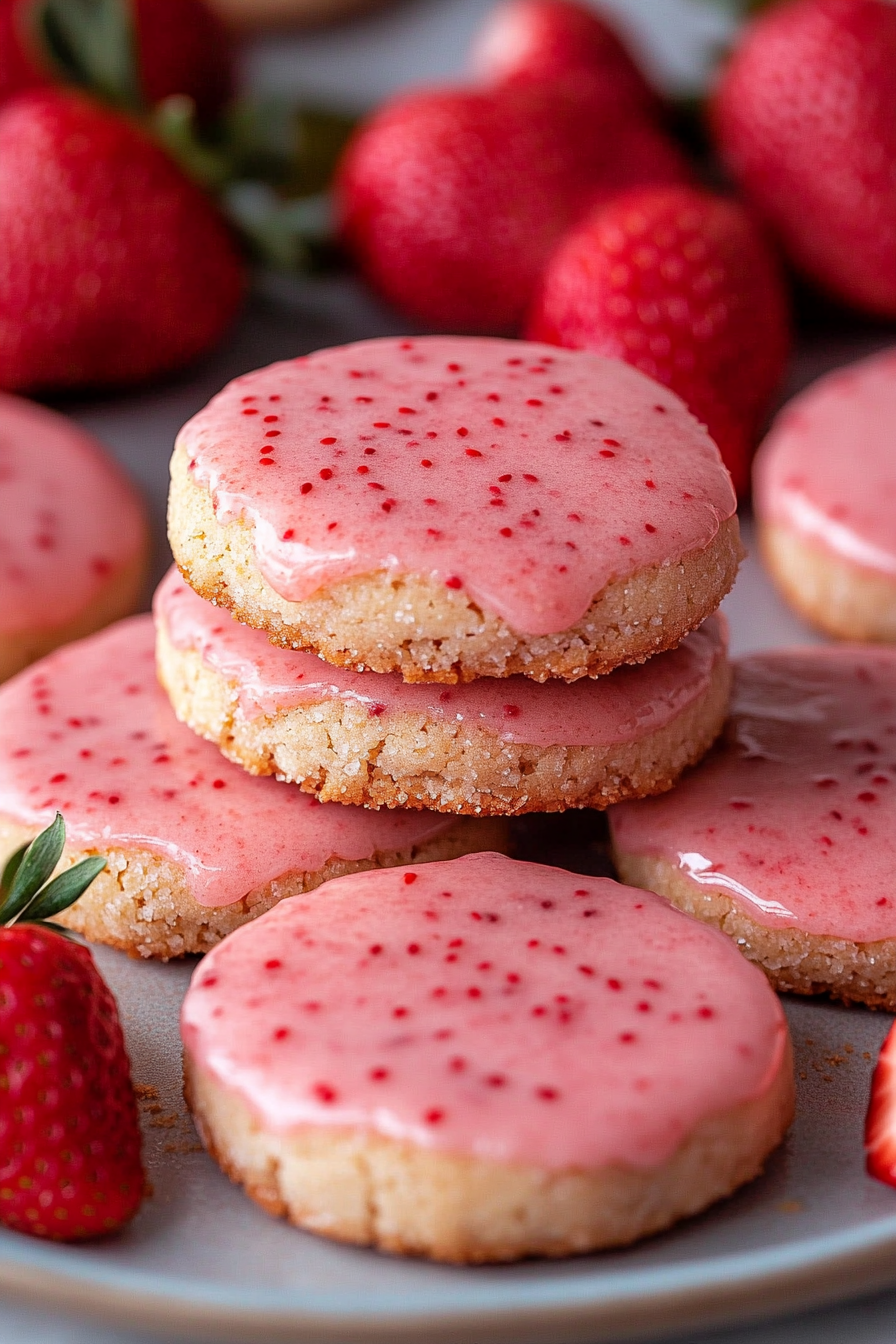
(38, 862)
(92, 43)
(206, 159)
(741, 9)
(287, 235)
(292, 147)
(65, 889)
(10, 870)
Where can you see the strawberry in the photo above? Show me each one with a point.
(804, 119)
(452, 200)
(69, 1137)
(139, 51)
(681, 284)
(113, 266)
(553, 41)
(880, 1122)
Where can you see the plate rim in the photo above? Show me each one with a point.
(664, 1299)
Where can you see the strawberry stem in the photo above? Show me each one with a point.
(92, 43)
(278, 156)
(26, 895)
(741, 8)
(269, 163)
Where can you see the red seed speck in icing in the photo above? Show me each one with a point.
(522, 582)
(755, 820)
(467, 1076)
(88, 705)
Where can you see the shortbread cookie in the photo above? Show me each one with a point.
(785, 837)
(826, 501)
(490, 747)
(73, 535)
(195, 846)
(454, 508)
(484, 1060)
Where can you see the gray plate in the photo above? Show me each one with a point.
(200, 1259)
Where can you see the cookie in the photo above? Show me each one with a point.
(825, 498)
(194, 846)
(484, 1060)
(785, 837)
(73, 535)
(490, 747)
(452, 508)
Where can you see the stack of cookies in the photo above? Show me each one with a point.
(469, 577)
(446, 558)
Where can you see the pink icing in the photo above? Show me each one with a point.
(486, 1006)
(629, 703)
(68, 518)
(526, 475)
(828, 467)
(794, 818)
(88, 731)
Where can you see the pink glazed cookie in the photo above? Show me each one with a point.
(194, 846)
(452, 508)
(785, 837)
(484, 1060)
(489, 747)
(825, 496)
(73, 535)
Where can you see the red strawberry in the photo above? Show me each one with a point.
(180, 46)
(681, 284)
(451, 201)
(804, 117)
(550, 41)
(69, 1137)
(880, 1123)
(113, 266)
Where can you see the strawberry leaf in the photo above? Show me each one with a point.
(37, 863)
(27, 894)
(281, 234)
(10, 870)
(65, 889)
(92, 43)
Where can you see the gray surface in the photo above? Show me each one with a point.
(423, 40)
(196, 1223)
